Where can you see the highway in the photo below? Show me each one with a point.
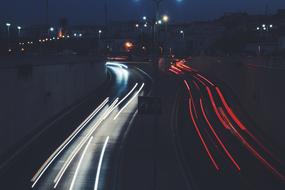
(85, 158)
(202, 140)
(221, 147)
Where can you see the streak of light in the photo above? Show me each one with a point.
(254, 152)
(125, 97)
(121, 74)
(229, 110)
(56, 153)
(195, 83)
(242, 126)
(218, 138)
(79, 146)
(216, 109)
(191, 96)
(173, 71)
(67, 163)
(205, 79)
(116, 64)
(79, 164)
(185, 67)
(201, 137)
(100, 164)
(176, 69)
(134, 96)
(200, 81)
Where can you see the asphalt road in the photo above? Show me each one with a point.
(81, 157)
(221, 147)
(202, 140)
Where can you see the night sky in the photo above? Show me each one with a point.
(28, 12)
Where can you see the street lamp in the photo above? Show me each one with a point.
(8, 30)
(165, 18)
(182, 32)
(19, 30)
(51, 29)
(144, 18)
(99, 34)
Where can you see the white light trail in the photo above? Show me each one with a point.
(55, 154)
(117, 65)
(134, 96)
(79, 146)
(67, 163)
(100, 164)
(79, 164)
(126, 96)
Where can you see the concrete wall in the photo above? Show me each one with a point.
(258, 84)
(34, 89)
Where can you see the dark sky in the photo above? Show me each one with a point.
(28, 12)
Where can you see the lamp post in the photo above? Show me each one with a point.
(99, 34)
(157, 6)
(50, 31)
(165, 19)
(47, 14)
(183, 34)
(19, 31)
(8, 30)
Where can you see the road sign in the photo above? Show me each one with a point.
(149, 105)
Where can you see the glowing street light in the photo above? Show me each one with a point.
(159, 22)
(144, 18)
(99, 34)
(8, 30)
(129, 46)
(165, 18)
(51, 29)
(182, 32)
(137, 25)
(19, 31)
